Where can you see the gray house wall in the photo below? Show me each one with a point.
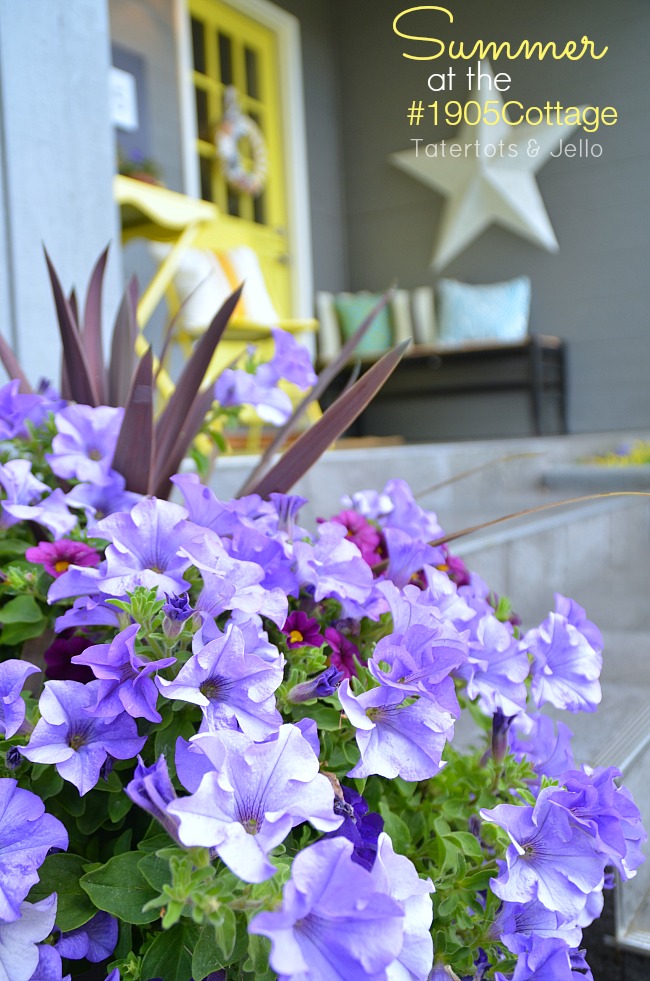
(56, 167)
(596, 291)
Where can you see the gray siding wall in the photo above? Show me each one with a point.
(56, 167)
(596, 291)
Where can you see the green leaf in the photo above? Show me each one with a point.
(60, 873)
(21, 609)
(227, 934)
(120, 888)
(118, 807)
(478, 880)
(396, 829)
(170, 955)
(16, 633)
(11, 547)
(156, 871)
(467, 843)
(45, 781)
(206, 957)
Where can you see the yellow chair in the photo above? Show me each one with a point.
(184, 223)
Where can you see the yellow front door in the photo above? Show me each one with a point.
(236, 56)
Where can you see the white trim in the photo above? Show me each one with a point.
(286, 27)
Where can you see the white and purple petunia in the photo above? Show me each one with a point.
(126, 683)
(26, 835)
(395, 736)
(229, 685)
(566, 668)
(13, 675)
(69, 736)
(336, 922)
(252, 796)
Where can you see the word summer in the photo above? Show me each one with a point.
(460, 50)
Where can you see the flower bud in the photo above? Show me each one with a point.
(321, 686)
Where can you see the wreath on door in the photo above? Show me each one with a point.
(231, 130)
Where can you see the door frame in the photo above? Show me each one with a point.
(286, 27)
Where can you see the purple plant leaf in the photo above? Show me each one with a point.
(134, 451)
(122, 364)
(324, 379)
(12, 367)
(312, 443)
(172, 419)
(198, 411)
(92, 327)
(74, 305)
(82, 388)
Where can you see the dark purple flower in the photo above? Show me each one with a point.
(26, 835)
(58, 657)
(321, 686)
(125, 677)
(334, 922)
(360, 826)
(302, 631)
(152, 790)
(13, 675)
(178, 608)
(500, 728)
(56, 557)
(94, 941)
(344, 652)
(68, 735)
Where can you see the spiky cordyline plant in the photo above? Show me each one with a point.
(150, 448)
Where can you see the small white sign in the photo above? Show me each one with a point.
(124, 100)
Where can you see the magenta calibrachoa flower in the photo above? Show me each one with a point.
(254, 794)
(125, 682)
(13, 675)
(336, 923)
(231, 686)
(57, 557)
(77, 743)
(26, 835)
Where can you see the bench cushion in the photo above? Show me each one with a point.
(496, 312)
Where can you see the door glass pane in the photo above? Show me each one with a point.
(198, 45)
(202, 115)
(259, 209)
(233, 202)
(206, 178)
(225, 58)
(252, 75)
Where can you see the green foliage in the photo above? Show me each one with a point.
(61, 873)
(119, 887)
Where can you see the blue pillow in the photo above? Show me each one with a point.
(498, 312)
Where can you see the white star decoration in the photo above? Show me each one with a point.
(483, 190)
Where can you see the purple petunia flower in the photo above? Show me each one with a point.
(49, 966)
(100, 500)
(13, 675)
(518, 925)
(15, 409)
(178, 608)
(550, 859)
(577, 617)
(24, 500)
(235, 387)
(290, 362)
(333, 566)
(94, 941)
(78, 744)
(535, 738)
(26, 835)
(360, 826)
(85, 442)
(230, 685)
(152, 790)
(549, 959)
(321, 686)
(497, 668)
(334, 924)
(361, 533)
(19, 953)
(253, 796)
(396, 738)
(302, 631)
(125, 678)
(420, 661)
(57, 557)
(566, 668)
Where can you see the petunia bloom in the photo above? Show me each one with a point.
(26, 835)
(252, 797)
(302, 631)
(85, 443)
(13, 675)
(19, 939)
(566, 668)
(94, 941)
(78, 744)
(334, 924)
(152, 790)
